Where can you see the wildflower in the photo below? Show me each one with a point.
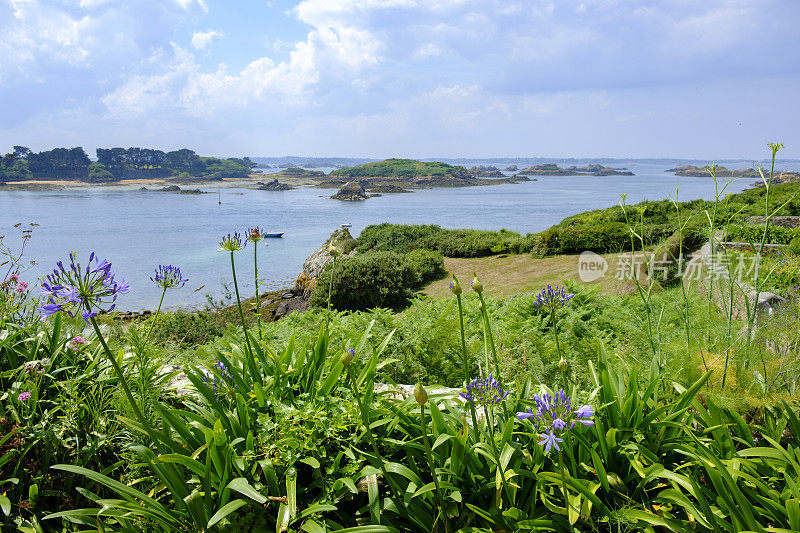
(420, 394)
(22, 286)
(477, 286)
(232, 243)
(76, 342)
(168, 276)
(554, 415)
(551, 298)
(455, 288)
(255, 234)
(333, 251)
(81, 290)
(484, 392)
(24, 396)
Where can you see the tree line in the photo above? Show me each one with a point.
(114, 164)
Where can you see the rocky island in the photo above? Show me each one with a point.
(274, 185)
(486, 172)
(402, 174)
(552, 169)
(352, 191)
(785, 176)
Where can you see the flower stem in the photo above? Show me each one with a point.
(485, 314)
(155, 317)
(555, 333)
(330, 290)
(124, 384)
(463, 339)
(250, 360)
(429, 454)
(258, 301)
(567, 505)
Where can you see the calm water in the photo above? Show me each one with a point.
(137, 230)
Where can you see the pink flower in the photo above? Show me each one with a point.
(76, 342)
(22, 286)
(24, 396)
(13, 278)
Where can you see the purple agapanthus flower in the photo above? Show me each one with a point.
(550, 441)
(553, 298)
(81, 290)
(484, 391)
(215, 383)
(168, 277)
(553, 415)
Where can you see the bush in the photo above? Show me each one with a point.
(429, 265)
(367, 281)
(754, 234)
(186, 329)
(449, 242)
(794, 246)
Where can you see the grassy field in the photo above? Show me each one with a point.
(511, 274)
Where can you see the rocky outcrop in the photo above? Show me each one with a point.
(486, 172)
(551, 169)
(351, 191)
(316, 262)
(387, 188)
(274, 185)
(512, 168)
(782, 221)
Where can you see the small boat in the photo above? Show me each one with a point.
(273, 235)
(346, 225)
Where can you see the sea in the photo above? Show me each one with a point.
(138, 230)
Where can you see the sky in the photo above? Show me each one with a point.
(710, 79)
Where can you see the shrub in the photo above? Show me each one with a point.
(367, 281)
(754, 234)
(794, 246)
(449, 242)
(429, 265)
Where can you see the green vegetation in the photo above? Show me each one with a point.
(402, 168)
(682, 413)
(450, 243)
(115, 164)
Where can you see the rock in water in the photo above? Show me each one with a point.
(351, 191)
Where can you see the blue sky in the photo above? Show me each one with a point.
(416, 78)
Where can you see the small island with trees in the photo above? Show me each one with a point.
(118, 164)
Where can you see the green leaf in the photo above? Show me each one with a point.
(225, 511)
(241, 486)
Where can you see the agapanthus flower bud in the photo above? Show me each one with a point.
(477, 286)
(255, 234)
(563, 364)
(480, 306)
(347, 356)
(420, 394)
(455, 287)
(333, 251)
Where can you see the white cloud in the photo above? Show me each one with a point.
(201, 39)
